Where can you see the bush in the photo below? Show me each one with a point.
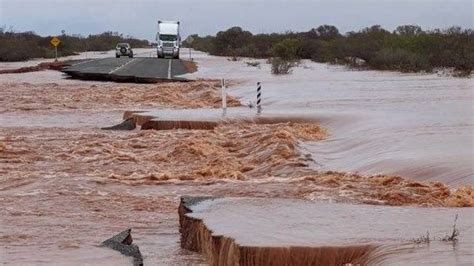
(253, 64)
(286, 49)
(399, 59)
(20, 46)
(408, 48)
(227, 42)
(282, 66)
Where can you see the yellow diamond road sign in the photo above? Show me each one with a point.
(55, 41)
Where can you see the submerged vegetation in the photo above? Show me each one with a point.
(453, 237)
(19, 46)
(408, 48)
(282, 66)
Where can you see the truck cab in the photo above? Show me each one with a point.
(168, 39)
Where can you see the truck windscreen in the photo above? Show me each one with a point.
(168, 38)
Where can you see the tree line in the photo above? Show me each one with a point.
(408, 48)
(20, 46)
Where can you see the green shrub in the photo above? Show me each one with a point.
(286, 49)
(230, 40)
(281, 66)
(408, 48)
(399, 59)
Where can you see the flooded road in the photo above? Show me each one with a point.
(66, 185)
(414, 125)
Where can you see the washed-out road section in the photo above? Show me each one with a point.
(141, 70)
(264, 231)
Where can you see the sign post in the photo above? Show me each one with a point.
(190, 40)
(55, 42)
(224, 97)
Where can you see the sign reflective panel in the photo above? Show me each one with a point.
(55, 41)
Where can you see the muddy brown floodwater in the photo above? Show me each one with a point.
(66, 185)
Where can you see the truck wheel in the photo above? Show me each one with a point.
(130, 56)
(176, 57)
(117, 56)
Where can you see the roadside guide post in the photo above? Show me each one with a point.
(190, 40)
(259, 97)
(224, 97)
(55, 42)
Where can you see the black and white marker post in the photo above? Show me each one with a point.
(259, 97)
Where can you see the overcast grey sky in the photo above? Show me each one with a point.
(138, 18)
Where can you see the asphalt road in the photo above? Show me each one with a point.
(100, 66)
(128, 69)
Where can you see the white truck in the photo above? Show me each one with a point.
(168, 39)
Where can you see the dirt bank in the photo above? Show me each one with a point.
(41, 66)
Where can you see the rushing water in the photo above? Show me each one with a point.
(415, 125)
(57, 205)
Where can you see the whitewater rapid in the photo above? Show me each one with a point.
(415, 125)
